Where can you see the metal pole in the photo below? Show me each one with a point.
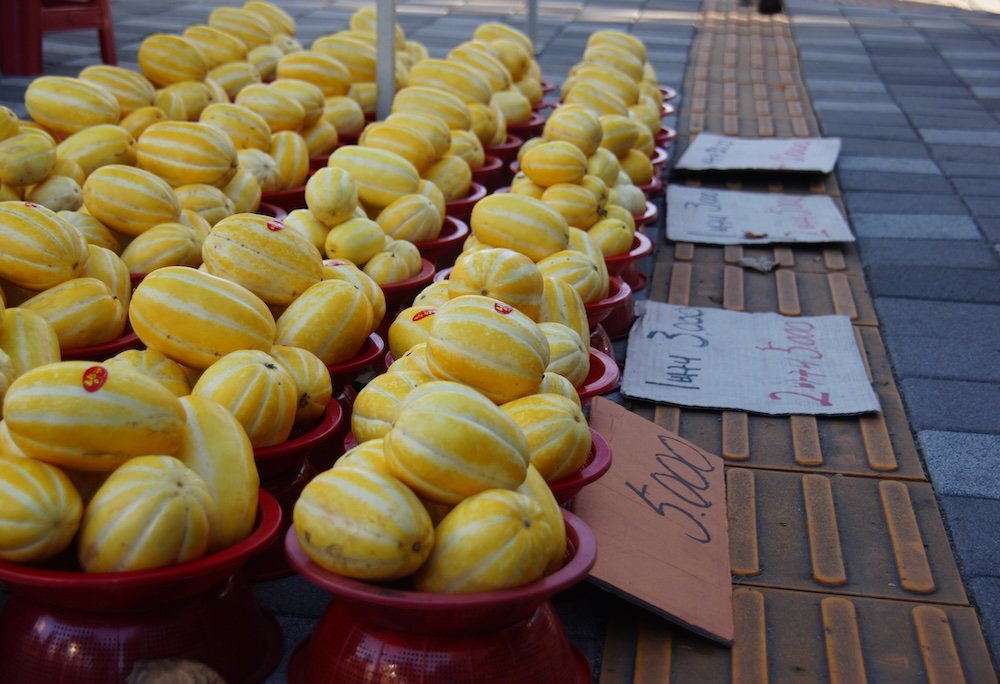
(385, 56)
(533, 23)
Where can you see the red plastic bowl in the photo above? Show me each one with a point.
(275, 463)
(461, 208)
(491, 174)
(507, 150)
(548, 87)
(667, 109)
(603, 376)
(668, 92)
(372, 632)
(445, 248)
(105, 350)
(665, 135)
(289, 200)
(399, 295)
(648, 216)
(530, 129)
(345, 372)
(653, 188)
(624, 266)
(660, 157)
(92, 628)
(599, 310)
(269, 209)
(597, 463)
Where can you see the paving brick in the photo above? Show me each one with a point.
(853, 145)
(951, 404)
(852, 105)
(986, 596)
(961, 463)
(964, 153)
(830, 85)
(990, 227)
(939, 136)
(920, 226)
(927, 253)
(940, 283)
(969, 120)
(974, 522)
(896, 165)
(903, 203)
(983, 206)
(945, 358)
(924, 318)
(857, 127)
(977, 186)
(882, 181)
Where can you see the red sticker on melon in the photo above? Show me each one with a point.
(420, 315)
(32, 205)
(94, 378)
(502, 308)
(275, 226)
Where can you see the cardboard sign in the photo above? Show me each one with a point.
(711, 152)
(659, 515)
(732, 217)
(762, 363)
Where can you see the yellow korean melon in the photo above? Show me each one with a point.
(553, 383)
(128, 199)
(452, 175)
(536, 488)
(166, 58)
(574, 124)
(521, 223)
(141, 119)
(619, 133)
(111, 270)
(278, 108)
(368, 454)
(313, 387)
(291, 153)
(435, 294)
(387, 267)
(40, 249)
(451, 76)
(410, 327)
(257, 390)
(85, 416)
(502, 274)
(515, 54)
(26, 159)
(361, 523)
(639, 168)
(446, 106)
(210, 202)
(217, 448)
(613, 236)
(554, 162)
(332, 319)
(449, 442)
(168, 244)
(576, 203)
(150, 513)
(578, 270)
(233, 77)
(321, 69)
(603, 164)
(82, 312)
(58, 193)
(494, 540)
(154, 365)
(309, 95)
(569, 354)
(245, 127)
(264, 59)
(515, 106)
(251, 28)
(183, 152)
(429, 125)
(129, 87)
(378, 403)
(321, 138)
(341, 269)
(410, 144)
(66, 105)
(412, 217)
(619, 39)
(482, 58)
(93, 231)
(357, 240)
(28, 339)
(217, 47)
(345, 114)
(468, 146)
(381, 176)
(260, 254)
(557, 432)
(196, 318)
(488, 345)
(355, 53)
(279, 19)
(40, 510)
(244, 191)
(332, 195)
(580, 241)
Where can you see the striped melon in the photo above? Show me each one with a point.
(245, 127)
(165, 58)
(264, 60)
(613, 236)
(367, 454)
(83, 415)
(429, 125)
(612, 81)
(580, 241)
(216, 447)
(26, 159)
(58, 193)
(332, 319)
(450, 442)
(150, 513)
(569, 354)
(597, 97)
(410, 328)
(502, 274)
(290, 152)
(579, 270)
(257, 252)
(66, 105)
(603, 164)
(262, 166)
(514, 55)
(554, 162)
(364, 20)
(216, 46)
(319, 68)
(408, 252)
(521, 223)
(153, 365)
(183, 152)
(9, 123)
(491, 31)
(321, 138)
(40, 249)
(482, 58)
(494, 540)
(553, 383)
(638, 167)
(305, 223)
(411, 145)
(190, 98)
(278, 108)
(412, 217)
(141, 119)
(244, 190)
(332, 195)
(341, 269)
(435, 294)
(313, 387)
(357, 240)
(233, 77)
(168, 244)
(99, 146)
(468, 146)
(619, 133)
(355, 54)
(531, 88)
(208, 201)
(377, 404)
(619, 39)
(366, 95)
(362, 523)
(111, 270)
(128, 199)
(451, 76)
(561, 303)
(448, 107)
(279, 19)
(28, 339)
(196, 318)
(257, 390)
(309, 95)
(452, 175)
(387, 267)
(576, 203)
(516, 107)
(82, 312)
(345, 114)
(537, 489)
(381, 176)
(251, 28)
(40, 510)
(488, 345)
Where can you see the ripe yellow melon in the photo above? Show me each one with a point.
(66, 105)
(40, 510)
(153, 365)
(557, 432)
(378, 403)
(313, 387)
(28, 339)
(332, 319)
(82, 312)
(521, 223)
(40, 249)
(128, 199)
(502, 274)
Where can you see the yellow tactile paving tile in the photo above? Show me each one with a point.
(806, 638)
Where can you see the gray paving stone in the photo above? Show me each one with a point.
(990, 227)
(852, 145)
(291, 596)
(915, 226)
(973, 522)
(976, 186)
(964, 153)
(983, 206)
(957, 284)
(852, 105)
(293, 631)
(945, 358)
(933, 404)
(962, 463)
(909, 167)
(830, 85)
(903, 203)
(969, 120)
(892, 182)
(927, 253)
(857, 127)
(944, 92)
(926, 318)
(986, 597)
(961, 137)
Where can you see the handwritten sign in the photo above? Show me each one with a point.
(711, 152)
(762, 363)
(659, 515)
(732, 217)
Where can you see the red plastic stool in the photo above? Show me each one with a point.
(26, 21)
